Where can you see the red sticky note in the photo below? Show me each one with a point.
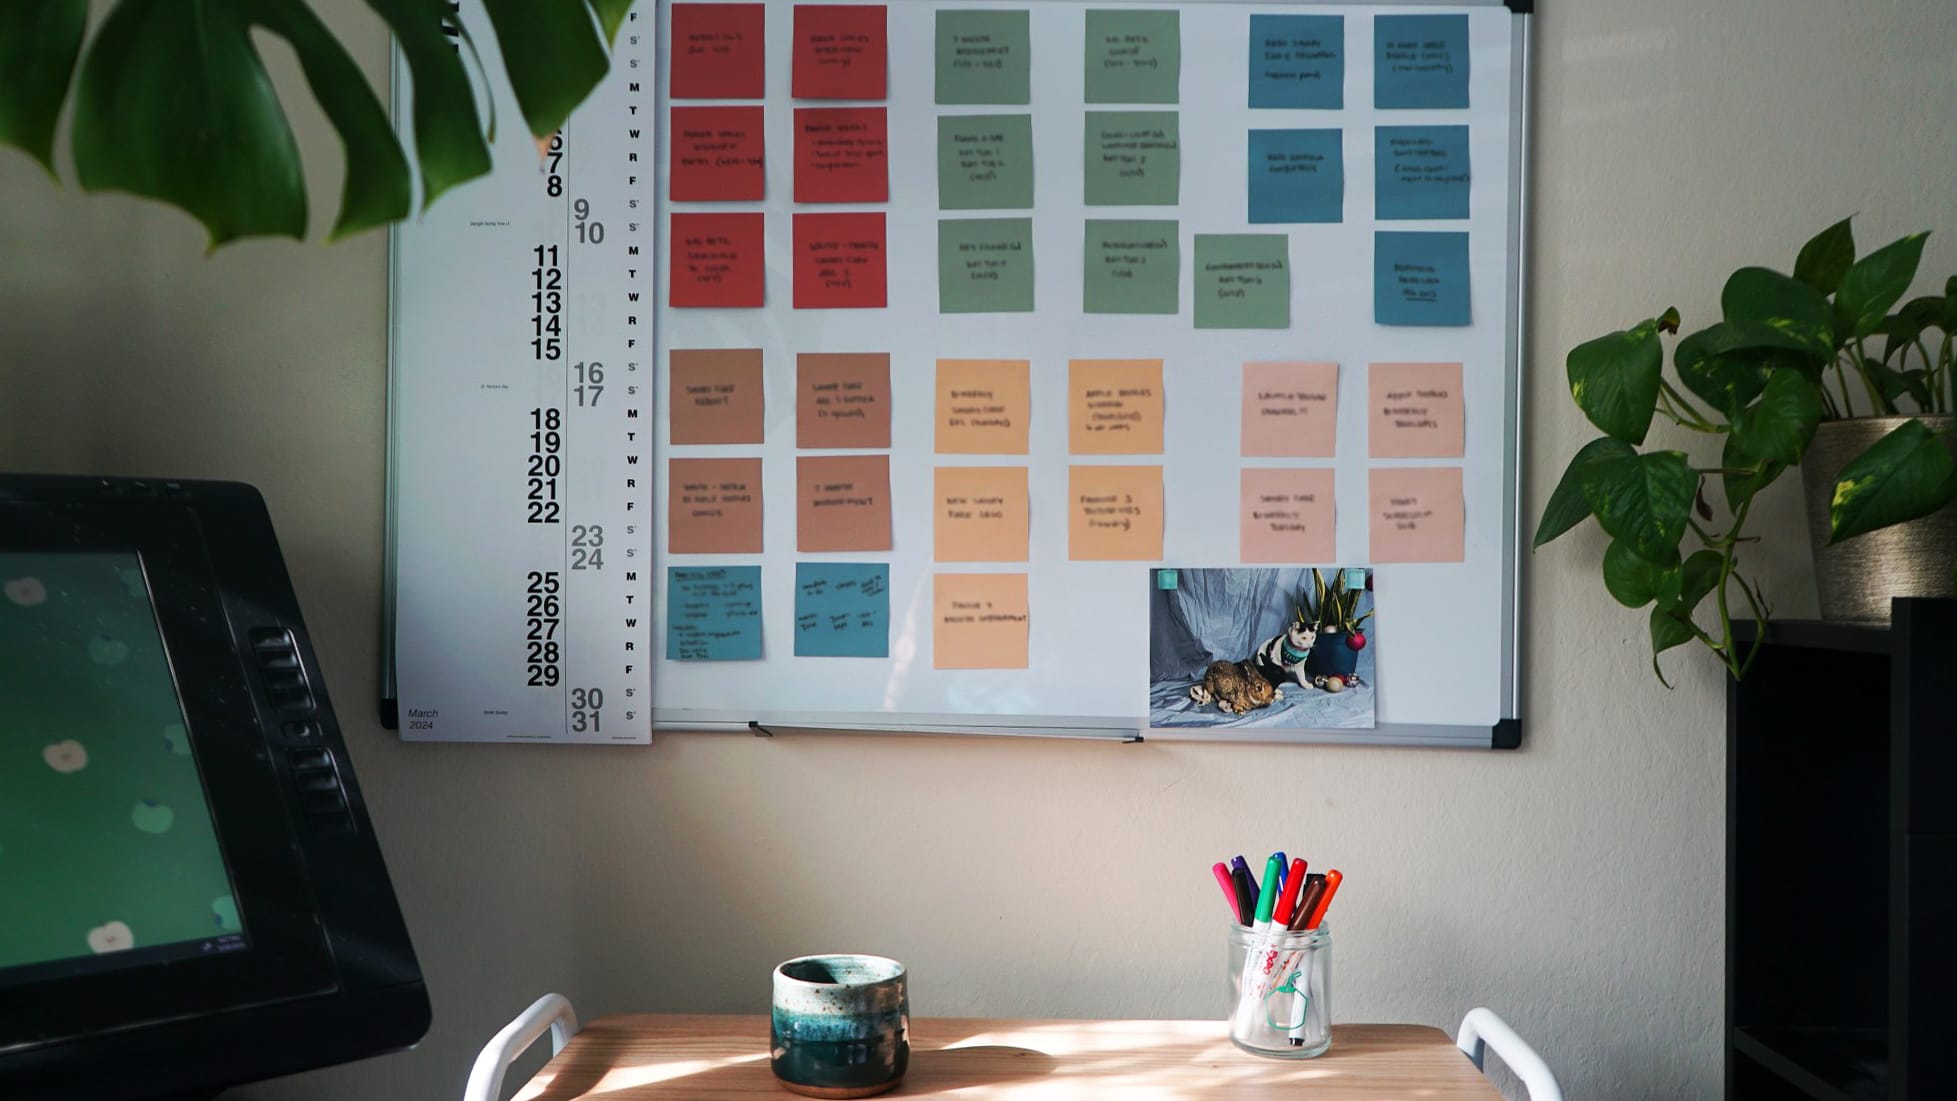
(718, 51)
(839, 261)
(840, 51)
(841, 155)
(717, 262)
(718, 154)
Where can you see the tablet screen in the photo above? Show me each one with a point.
(108, 855)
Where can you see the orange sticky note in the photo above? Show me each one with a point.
(842, 399)
(842, 503)
(1114, 513)
(1415, 411)
(981, 514)
(1418, 515)
(979, 621)
(716, 396)
(984, 406)
(1291, 410)
(1114, 407)
(1287, 516)
(713, 506)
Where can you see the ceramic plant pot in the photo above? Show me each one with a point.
(1857, 577)
(842, 1025)
(1330, 656)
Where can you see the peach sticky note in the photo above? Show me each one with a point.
(979, 621)
(981, 514)
(716, 395)
(1291, 410)
(713, 506)
(842, 503)
(1287, 516)
(984, 406)
(1114, 513)
(1415, 411)
(1114, 407)
(842, 399)
(1418, 515)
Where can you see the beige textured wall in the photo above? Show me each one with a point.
(1575, 886)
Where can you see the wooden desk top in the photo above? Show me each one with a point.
(722, 1058)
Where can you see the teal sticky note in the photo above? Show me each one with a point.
(842, 609)
(1243, 281)
(1420, 172)
(1297, 176)
(1421, 279)
(1134, 56)
(1132, 267)
(985, 265)
(1167, 579)
(1133, 158)
(1297, 61)
(1420, 61)
(984, 57)
(985, 162)
(713, 613)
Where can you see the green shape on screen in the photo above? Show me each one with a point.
(985, 265)
(1133, 158)
(984, 57)
(1133, 56)
(985, 162)
(103, 820)
(1132, 267)
(1243, 281)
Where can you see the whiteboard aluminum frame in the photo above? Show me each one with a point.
(1505, 734)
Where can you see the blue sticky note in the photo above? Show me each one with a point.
(713, 613)
(842, 610)
(1297, 176)
(1420, 172)
(1297, 61)
(1420, 61)
(1421, 279)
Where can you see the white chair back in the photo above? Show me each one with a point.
(552, 1011)
(1482, 1029)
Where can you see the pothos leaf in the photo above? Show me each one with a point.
(1567, 507)
(1904, 475)
(1614, 380)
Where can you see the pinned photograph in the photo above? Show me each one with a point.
(1279, 649)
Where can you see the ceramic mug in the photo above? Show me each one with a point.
(842, 1025)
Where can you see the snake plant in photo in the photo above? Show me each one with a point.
(171, 100)
(1788, 352)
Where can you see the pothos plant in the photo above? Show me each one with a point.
(1759, 379)
(173, 102)
(1333, 609)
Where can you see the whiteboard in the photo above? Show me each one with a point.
(1446, 662)
(462, 380)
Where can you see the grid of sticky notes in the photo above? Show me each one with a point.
(1416, 421)
(839, 81)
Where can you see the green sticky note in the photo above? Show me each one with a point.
(1133, 158)
(1132, 267)
(1133, 56)
(1243, 281)
(985, 265)
(984, 57)
(985, 162)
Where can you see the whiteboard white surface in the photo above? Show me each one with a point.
(1446, 671)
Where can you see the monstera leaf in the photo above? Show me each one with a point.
(173, 101)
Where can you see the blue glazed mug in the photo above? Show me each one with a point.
(842, 1025)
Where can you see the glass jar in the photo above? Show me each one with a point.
(1280, 986)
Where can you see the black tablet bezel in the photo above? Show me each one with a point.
(286, 955)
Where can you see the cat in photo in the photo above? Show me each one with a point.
(1236, 687)
(1282, 660)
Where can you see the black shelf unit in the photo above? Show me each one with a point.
(1841, 861)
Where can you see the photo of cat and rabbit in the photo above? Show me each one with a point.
(1273, 648)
